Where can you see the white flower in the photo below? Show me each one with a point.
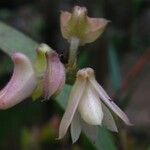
(87, 108)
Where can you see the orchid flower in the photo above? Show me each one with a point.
(77, 25)
(79, 29)
(49, 66)
(88, 107)
(27, 77)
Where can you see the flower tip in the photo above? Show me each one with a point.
(79, 11)
(53, 56)
(43, 48)
(18, 57)
(129, 123)
(108, 21)
(85, 73)
(61, 135)
(105, 23)
(115, 129)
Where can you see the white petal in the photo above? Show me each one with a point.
(90, 107)
(106, 99)
(117, 111)
(98, 87)
(108, 120)
(21, 84)
(74, 98)
(75, 127)
(90, 131)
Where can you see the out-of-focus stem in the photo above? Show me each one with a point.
(136, 69)
(132, 74)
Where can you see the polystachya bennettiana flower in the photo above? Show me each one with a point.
(88, 107)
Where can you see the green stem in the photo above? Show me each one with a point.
(74, 44)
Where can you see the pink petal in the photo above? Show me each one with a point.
(54, 76)
(74, 98)
(64, 19)
(96, 28)
(21, 84)
(108, 120)
(75, 127)
(106, 99)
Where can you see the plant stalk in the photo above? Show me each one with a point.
(74, 44)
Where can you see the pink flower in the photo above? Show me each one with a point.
(21, 84)
(27, 79)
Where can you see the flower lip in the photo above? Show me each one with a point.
(90, 107)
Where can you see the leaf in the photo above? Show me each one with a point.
(62, 98)
(104, 140)
(114, 68)
(12, 41)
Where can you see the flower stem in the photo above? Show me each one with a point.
(74, 44)
(71, 66)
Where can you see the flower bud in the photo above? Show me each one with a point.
(78, 25)
(21, 84)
